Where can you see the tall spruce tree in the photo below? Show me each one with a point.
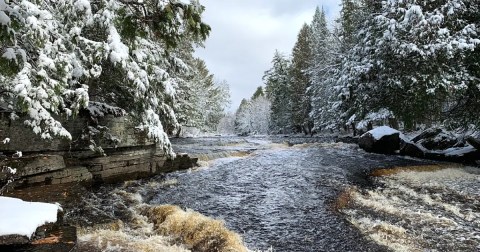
(322, 56)
(300, 81)
(277, 81)
(259, 92)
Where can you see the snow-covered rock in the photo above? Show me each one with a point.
(380, 140)
(437, 139)
(380, 132)
(20, 219)
(474, 142)
(409, 148)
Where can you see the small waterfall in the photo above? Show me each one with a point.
(128, 224)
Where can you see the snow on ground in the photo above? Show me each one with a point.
(382, 131)
(18, 217)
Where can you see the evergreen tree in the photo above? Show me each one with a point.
(300, 83)
(239, 128)
(259, 92)
(59, 57)
(277, 81)
(254, 118)
(323, 56)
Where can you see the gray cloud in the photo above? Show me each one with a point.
(246, 33)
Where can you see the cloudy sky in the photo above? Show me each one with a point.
(245, 34)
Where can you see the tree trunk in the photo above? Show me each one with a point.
(179, 131)
(369, 126)
(393, 123)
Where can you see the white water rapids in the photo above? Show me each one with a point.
(264, 194)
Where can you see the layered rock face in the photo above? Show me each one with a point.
(126, 153)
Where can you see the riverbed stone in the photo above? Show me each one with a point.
(13, 240)
(437, 139)
(428, 133)
(387, 144)
(474, 142)
(408, 148)
(47, 238)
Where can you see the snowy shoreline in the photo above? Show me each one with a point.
(22, 218)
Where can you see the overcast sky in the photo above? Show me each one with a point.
(245, 34)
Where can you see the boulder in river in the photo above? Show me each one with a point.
(408, 148)
(384, 140)
(467, 154)
(474, 142)
(437, 139)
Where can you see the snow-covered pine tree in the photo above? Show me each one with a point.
(254, 118)
(277, 82)
(416, 54)
(461, 109)
(239, 127)
(300, 82)
(201, 99)
(323, 63)
(227, 124)
(59, 57)
(258, 92)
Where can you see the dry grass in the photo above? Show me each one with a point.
(198, 232)
(418, 168)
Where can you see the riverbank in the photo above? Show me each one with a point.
(276, 193)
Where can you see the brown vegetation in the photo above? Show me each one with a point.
(418, 168)
(198, 232)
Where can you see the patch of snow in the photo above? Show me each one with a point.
(11, 170)
(119, 51)
(4, 19)
(18, 217)
(382, 131)
(9, 52)
(459, 152)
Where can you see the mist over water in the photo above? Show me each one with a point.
(265, 194)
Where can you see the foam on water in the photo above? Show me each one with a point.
(136, 226)
(123, 241)
(420, 210)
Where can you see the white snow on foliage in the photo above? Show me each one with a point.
(119, 49)
(18, 217)
(382, 131)
(9, 53)
(4, 19)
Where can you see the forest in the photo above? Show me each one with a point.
(62, 59)
(402, 63)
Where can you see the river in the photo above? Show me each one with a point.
(284, 194)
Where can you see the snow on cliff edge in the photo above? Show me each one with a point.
(18, 217)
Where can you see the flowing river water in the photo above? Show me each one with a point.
(265, 194)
